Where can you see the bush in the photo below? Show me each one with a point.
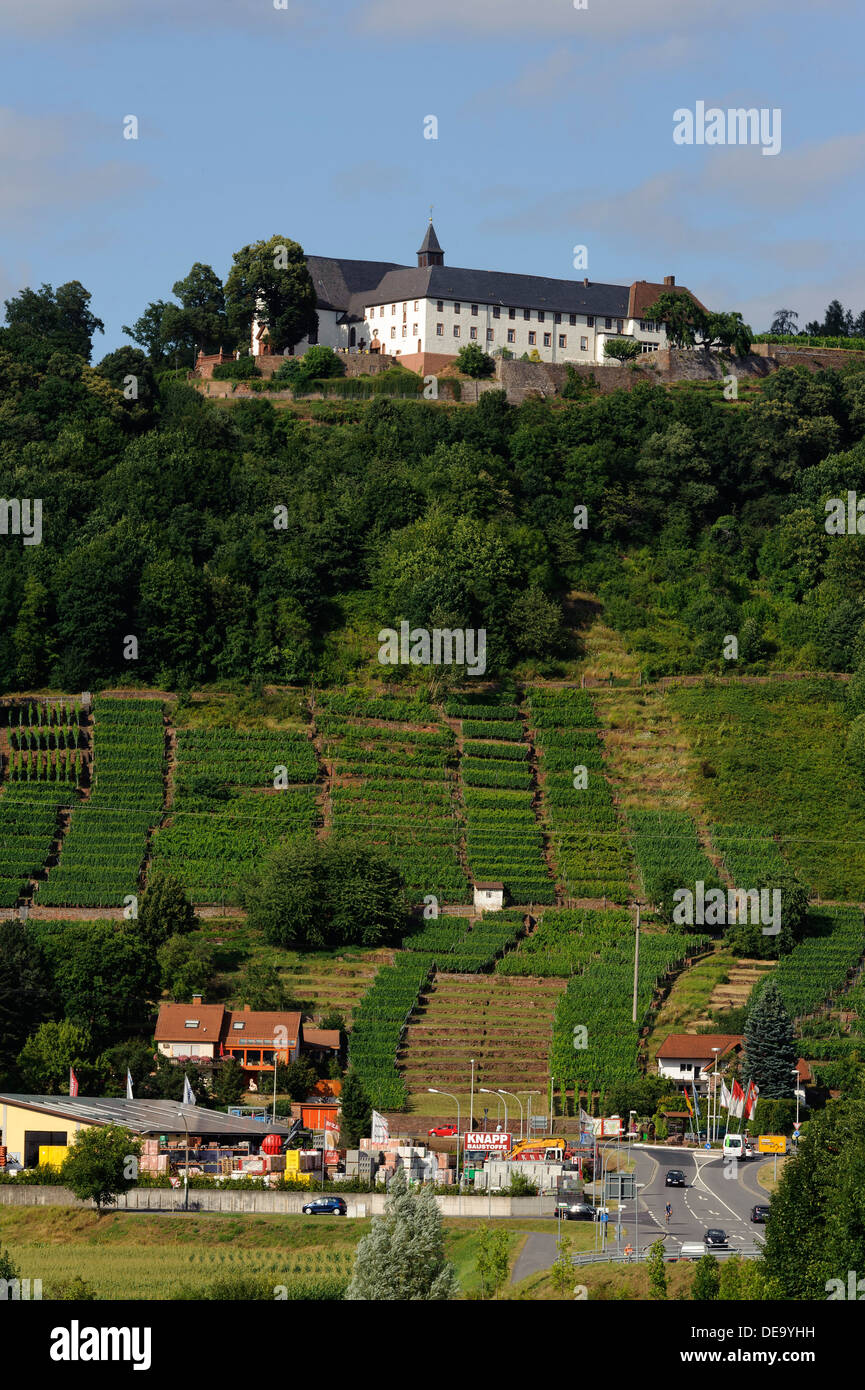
(242, 369)
(474, 362)
(622, 349)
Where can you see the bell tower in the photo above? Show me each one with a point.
(430, 252)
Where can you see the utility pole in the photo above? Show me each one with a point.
(636, 961)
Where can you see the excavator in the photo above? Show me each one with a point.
(545, 1148)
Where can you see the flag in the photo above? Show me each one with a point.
(188, 1097)
(688, 1103)
(726, 1097)
(380, 1128)
(129, 1095)
(738, 1097)
(696, 1105)
(73, 1082)
(751, 1100)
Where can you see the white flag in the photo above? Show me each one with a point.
(585, 1121)
(129, 1095)
(726, 1097)
(188, 1097)
(380, 1128)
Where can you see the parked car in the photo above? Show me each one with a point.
(675, 1178)
(326, 1206)
(577, 1211)
(760, 1212)
(443, 1131)
(716, 1239)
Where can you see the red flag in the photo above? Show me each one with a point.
(738, 1097)
(751, 1100)
(73, 1083)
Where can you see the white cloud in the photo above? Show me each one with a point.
(794, 178)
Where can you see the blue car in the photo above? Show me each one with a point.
(326, 1206)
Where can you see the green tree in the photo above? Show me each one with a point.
(34, 653)
(402, 1259)
(770, 1051)
(27, 996)
(102, 1162)
(562, 1271)
(63, 317)
(261, 987)
(48, 1054)
(741, 1280)
(200, 323)
(784, 322)
(622, 349)
(105, 975)
(683, 319)
(185, 967)
(492, 1261)
(148, 331)
(327, 893)
(270, 280)
(316, 363)
(657, 1271)
(8, 1268)
(164, 911)
(130, 370)
(816, 1227)
(536, 623)
(296, 1080)
(229, 1083)
(355, 1112)
(706, 1279)
(749, 938)
(474, 362)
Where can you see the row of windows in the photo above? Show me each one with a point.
(647, 327)
(512, 336)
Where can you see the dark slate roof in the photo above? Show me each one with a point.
(336, 279)
(430, 241)
(144, 1116)
(499, 287)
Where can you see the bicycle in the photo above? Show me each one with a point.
(668, 1212)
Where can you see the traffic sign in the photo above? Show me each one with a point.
(771, 1144)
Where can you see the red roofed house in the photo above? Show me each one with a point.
(689, 1058)
(196, 1031)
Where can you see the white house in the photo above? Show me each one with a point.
(688, 1059)
(408, 311)
(489, 897)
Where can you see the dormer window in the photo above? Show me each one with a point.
(238, 1026)
(192, 1023)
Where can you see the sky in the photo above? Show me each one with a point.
(554, 130)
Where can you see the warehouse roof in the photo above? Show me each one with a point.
(142, 1116)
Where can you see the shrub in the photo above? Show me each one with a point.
(622, 349)
(242, 369)
(474, 362)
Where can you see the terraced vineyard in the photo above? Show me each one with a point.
(103, 851)
(668, 854)
(820, 966)
(28, 826)
(588, 845)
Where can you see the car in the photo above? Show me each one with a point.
(326, 1206)
(576, 1211)
(716, 1239)
(675, 1178)
(760, 1212)
(442, 1131)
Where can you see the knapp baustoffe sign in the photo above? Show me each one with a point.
(478, 1142)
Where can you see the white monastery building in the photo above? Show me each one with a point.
(433, 308)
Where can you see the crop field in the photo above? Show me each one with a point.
(253, 758)
(668, 854)
(103, 851)
(749, 853)
(28, 825)
(589, 848)
(820, 965)
(778, 757)
(395, 788)
(599, 947)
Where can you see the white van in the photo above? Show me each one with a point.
(737, 1146)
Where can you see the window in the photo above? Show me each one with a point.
(512, 335)
(527, 313)
(415, 306)
(608, 323)
(533, 338)
(540, 316)
(497, 313)
(619, 325)
(456, 306)
(440, 330)
(393, 308)
(572, 319)
(557, 318)
(473, 332)
(584, 345)
(393, 331)
(440, 305)
(238, 1026)
(404, 307)
(456, 330)
(512, 313)
(404, 328)
(590, 320)
(489, 335)
(548, 340)
(381, 312)
(414, 330)
(475, 310)
(563, 340)
(192, 1023)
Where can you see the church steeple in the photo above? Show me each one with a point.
(430, 252)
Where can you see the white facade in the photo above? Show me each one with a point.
(685, 1071)
(489, 897)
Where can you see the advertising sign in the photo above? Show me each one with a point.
(608, 1129)
(478, 1142)
(771, 1144)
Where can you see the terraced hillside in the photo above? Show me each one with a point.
(504, 1023)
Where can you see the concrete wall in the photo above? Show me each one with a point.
(270, 1203)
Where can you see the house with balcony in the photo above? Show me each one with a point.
(689, 1059)
(203, 1033)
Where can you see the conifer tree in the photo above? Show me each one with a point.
(402, 1259)
(770, 1052)
(355, 1112)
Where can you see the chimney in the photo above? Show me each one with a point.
(669, 279)
(196, 998)
(586, 283)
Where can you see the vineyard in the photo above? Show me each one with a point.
(749, 854)
(820, 965)
(395, 788)
(668, 854)
(588, 845)
(379, 1023)
(104, 849)
(28, 827)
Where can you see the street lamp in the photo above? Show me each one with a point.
(485, 1090)
(472, 1098)
(519, 1103)
(433, 1092)
(186, 1168)
(528, 1095)
(713, 1130)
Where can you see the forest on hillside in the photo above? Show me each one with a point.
(246, 543)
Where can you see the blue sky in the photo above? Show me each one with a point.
(555, 129)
